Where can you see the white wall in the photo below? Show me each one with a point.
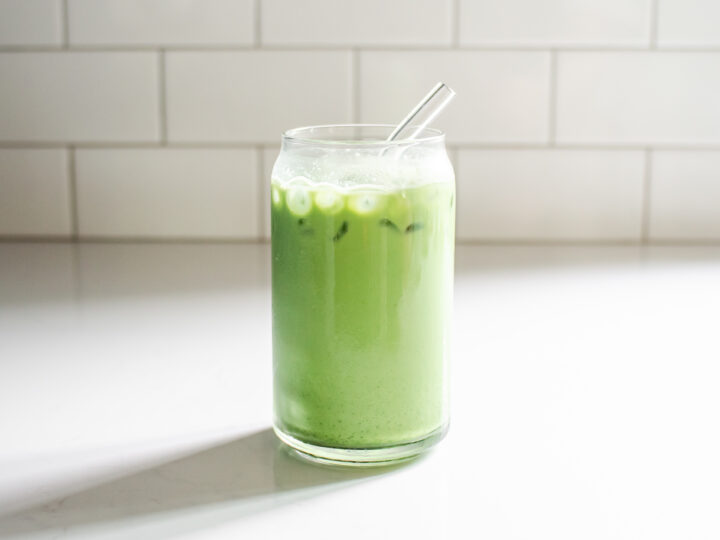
(575, 120)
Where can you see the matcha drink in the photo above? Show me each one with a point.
(362, 253)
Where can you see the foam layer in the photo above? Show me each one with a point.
(350, 169)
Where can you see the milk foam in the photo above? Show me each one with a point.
(351, 170)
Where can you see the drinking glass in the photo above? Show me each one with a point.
(362, 277)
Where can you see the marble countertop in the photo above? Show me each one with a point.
(135, 401)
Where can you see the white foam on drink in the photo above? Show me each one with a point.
(354, 170)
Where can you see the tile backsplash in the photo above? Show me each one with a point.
(160, 119)
(167, 192)
(583, 194)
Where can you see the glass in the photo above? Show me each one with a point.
(362, 274)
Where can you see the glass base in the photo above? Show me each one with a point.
(362, 457)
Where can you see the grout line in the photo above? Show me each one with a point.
(93, 239)
(65, 24)
(31, 144)
(127, 144)
(546, 242)
(654, 7)
(646, 207)
(120, 48)
(162, 98)
(153, 47)
(683, 242)
(355, 78)
(460, 145)
(479, 48)
(455, 36)
(35, 239)
(20, 49)
(581, 146)
(656, 242)
(257, 24)
(260, 181)
(72, 193)
(587, 242)
(552, 111)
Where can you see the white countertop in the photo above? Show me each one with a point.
(135, 401)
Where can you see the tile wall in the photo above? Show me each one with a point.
(578, 121)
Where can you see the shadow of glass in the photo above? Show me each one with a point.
(245, 471)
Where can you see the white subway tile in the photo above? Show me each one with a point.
(689, 23)
(34, 192)
(253, 96)
(501, 96)
(30, 22)
(349, 22)
(638, 98)
(161, 22)
(165, 193)
(71, 96)
(549, 194)
(554, 22)
(269, 157)
(685, 195)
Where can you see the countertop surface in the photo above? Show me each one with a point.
(135, 401)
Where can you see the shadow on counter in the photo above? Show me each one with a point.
(239, 478)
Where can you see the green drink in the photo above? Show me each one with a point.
(362, 262)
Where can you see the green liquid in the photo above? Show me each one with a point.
(361, 307)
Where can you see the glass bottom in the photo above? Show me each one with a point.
(362, 457)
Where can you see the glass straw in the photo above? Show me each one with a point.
(423, 113)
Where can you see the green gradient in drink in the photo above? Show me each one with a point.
(362, 284)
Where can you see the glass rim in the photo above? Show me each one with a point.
(428, 135)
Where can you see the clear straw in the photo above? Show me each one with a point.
(423, 113)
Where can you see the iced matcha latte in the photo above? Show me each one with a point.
(362, 262)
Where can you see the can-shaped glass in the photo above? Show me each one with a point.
(362, 236)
